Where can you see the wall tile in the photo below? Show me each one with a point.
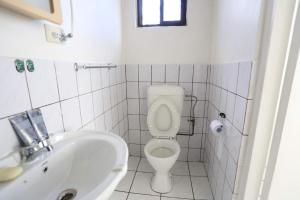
(230, 104)
(133, 106)
(232, 81)
(9, 141)
(106, 99)
(98, 102)
(134, 136)
(244, 79)
(158, 73)
(104, 77)
(100, 123)
(132, 72)
(195, 141)
(239, 112)
(200, 73)
(231, 172)
(132, 90)
(42, 83)
(199, 90)
(134, 122)
(86, 106)
(84, 81)
(66, 78)
(13, 89)
(143, 107)
(145, 73)
(53, 118)
(143, 87)
(186, 73)
(194, 155)
(71, 114)
(172, 73)
(96, 79)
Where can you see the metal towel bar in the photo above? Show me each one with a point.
(77, 66)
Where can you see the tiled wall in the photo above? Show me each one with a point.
(88, 99)
(193, 78)
(229, 92)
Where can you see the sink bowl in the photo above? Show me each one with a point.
(84, 165)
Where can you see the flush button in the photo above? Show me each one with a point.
(19, 65)
(30, 65)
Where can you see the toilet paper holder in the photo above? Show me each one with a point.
(222, 115)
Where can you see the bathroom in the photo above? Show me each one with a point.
(149, 99)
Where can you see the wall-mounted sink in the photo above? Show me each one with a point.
(85, 165)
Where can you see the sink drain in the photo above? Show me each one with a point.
(67, 194)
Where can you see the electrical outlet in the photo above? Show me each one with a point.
(53, 34)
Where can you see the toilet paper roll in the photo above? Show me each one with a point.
(216, 127)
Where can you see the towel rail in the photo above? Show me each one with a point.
(108, 66)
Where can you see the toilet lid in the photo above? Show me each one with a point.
(163, 118)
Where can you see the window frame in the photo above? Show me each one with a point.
(182, 22)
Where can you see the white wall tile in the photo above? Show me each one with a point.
(134, 137)
(134, 149)
(194, 155)
(53, 118)
(144, 89)
(183, 140)
(195, 141)
(133, 106)
(134, 122)
(239, 112)
(13, 89)
(200, 73)
(132, 90)
(143, 106)
(108, 120)
(199, 90)
(186, 73)
(158, 73)
(132, 72)
(9, 142)
(143, 122)
(199, 108)
(104, 77)
(86, 106)
(233, 142)
(145, 137)
(172, 73)
(106, 99)
(230, 104)
(244, 79)
(231, 172)
(145, 73)
(84, 81)
(98, 102)
(66, 78)
(96, 79)
(100, 123)
(186, 109)
(42, 83)
(112, 76)
(188, 88)
(233, 76)
(71, 114)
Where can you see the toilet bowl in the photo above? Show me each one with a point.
(163, 119)
(162, 155)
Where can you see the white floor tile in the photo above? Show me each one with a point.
(142, 197)
(145, 166)
(180, 168)
(118, 196)
(181, 187)
(201, 188)
(125, 184)
(197, 169)
(133, 163)
(141, 184)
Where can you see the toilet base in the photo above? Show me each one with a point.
(162, 182)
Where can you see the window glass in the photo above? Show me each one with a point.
(172, 10)
(151, 12)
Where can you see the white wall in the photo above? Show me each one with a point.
(97, 34)
(169, 45)
(236, 30)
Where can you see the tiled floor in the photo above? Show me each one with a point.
(189, 182)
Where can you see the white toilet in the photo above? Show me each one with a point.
(164, 112)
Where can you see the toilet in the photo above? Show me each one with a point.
(164, 112)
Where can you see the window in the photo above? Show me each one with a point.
(161, 13)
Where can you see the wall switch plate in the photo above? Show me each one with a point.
(53, 34)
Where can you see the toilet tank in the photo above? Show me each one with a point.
(172, 93)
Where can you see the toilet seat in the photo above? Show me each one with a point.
(166, 126)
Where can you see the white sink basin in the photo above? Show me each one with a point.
(90, 163)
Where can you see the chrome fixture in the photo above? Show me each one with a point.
(109, 66)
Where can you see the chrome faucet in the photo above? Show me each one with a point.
(32, 133)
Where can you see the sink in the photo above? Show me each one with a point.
(84, 165)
